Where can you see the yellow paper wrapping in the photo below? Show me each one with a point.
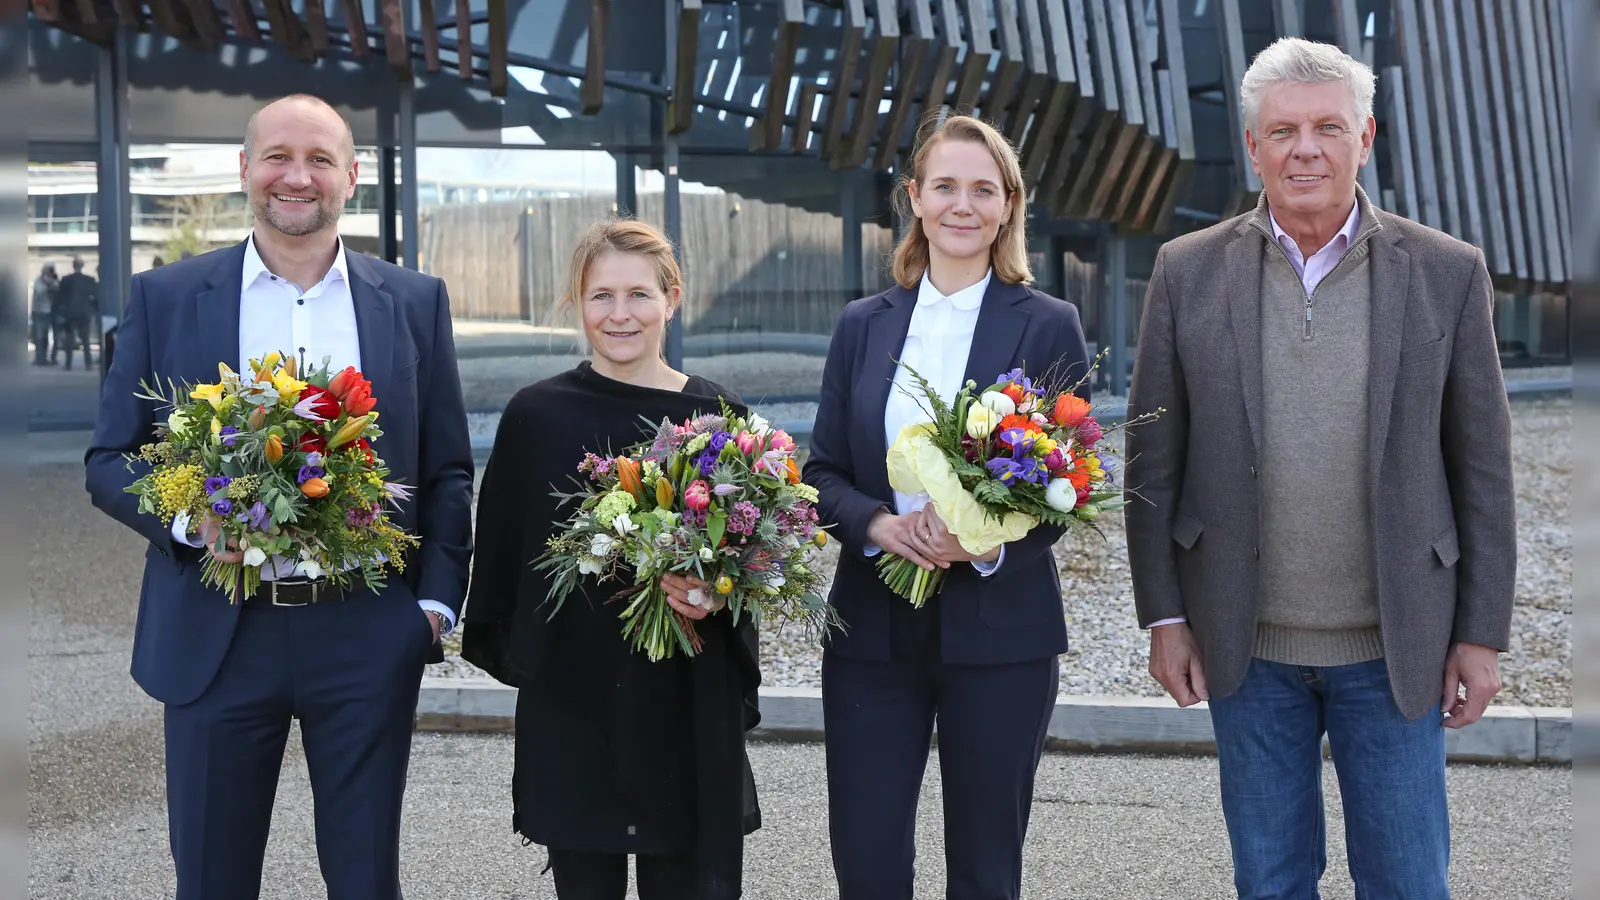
(916, 466)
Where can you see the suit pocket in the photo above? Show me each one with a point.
(1186, 530)
(1422, 352)
(405, 373)
(1447, 547)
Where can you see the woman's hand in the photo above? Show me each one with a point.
(690, 597)
(899, 535)
(930, 533)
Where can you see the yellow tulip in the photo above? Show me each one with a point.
(211, 393)
(271, 360)
(352, 429)
(274, 449)
(724, 585)
(216, 427)
(288, 387)
(664, 493)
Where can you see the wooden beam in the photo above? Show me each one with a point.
(1403, 158)
(1543, 172)
(499, 49)
(1525, 171)
(805, 116)
(172, 19)
(1079, 128)
(48, 12)
(430, 33)
(853, 19)
(1230, 32)
(464, 38)
(1478, 121)
(1408, 31)
(874, 81)
(87, 14)
(997, 106)
(975, 65)
(1080, 177)
(1470, 214)
(207, 24)
(316, 25)
(1179, 130)
(1549, 46)
(129, 14)
(243, 18)
(1504, 142)
(1441, 123)
(944, 61)
(768, 133)
(592, 93)
(1347, 29)
(1037, 79)
(1059, 98)
(681, 114)
(287, 30)
(1149, 146)
(914, 57)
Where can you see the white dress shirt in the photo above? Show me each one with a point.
(938, 342)
(1311, 272)
(275, 314)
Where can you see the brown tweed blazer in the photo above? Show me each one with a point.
(1443, 508)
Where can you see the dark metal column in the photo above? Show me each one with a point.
(1116, 256)
(852, 187)
(388, 205)
(113, 204)
(409, 220)
(627, 187)
(672, 216)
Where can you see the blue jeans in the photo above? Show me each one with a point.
(1391, 777)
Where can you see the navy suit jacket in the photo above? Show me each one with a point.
(180, 321)
(1013, 615)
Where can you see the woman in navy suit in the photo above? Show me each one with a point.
(982, 656)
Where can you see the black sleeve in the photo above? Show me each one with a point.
(500, 532)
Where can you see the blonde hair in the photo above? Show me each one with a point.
(622, 236)
(1009, 254)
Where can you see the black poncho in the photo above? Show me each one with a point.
(614, 753)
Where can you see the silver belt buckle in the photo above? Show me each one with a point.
(276, 602)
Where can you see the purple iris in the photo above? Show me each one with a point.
(1011, 471)
(222, 507)
(259, 519)
(216, 483)
(1019, 441)
(313, 458)
(1016, 376)
(1004, 470)
(309, 472)
(1109, 466)
(229, 435)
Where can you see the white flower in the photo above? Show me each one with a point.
(310, 569)
(1061, 495)
(706, 555)
(601, 545)
(177, 422)
(999, 403)
(623, 525)
(255, 556)
(664, 540)
(700, 597)
(590, 566)
(757, 424)
(981, 420)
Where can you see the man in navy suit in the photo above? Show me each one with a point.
(348, 664)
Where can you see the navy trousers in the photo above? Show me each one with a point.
(350, 672)
(879, 719)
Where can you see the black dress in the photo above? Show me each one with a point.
(614, 753)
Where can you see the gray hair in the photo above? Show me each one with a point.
(1298, 61)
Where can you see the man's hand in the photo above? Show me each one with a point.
(438, 623)
(690, 597)
(897, 535)
(939, 544)
(1175, 662)
(211, 535)
(1477, 670)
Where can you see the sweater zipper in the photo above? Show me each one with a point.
(1302, 281)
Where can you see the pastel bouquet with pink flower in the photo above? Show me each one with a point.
(717, 498)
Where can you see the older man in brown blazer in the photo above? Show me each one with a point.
(1323, 540)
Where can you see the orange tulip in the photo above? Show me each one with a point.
(794, 471)
(315, 488)
(274, 449)
(358, 399)
(628, 475)
(1070, 410)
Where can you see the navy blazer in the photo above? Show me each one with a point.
(1015, 614)
(180, 321)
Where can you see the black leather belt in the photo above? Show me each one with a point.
(297, 593)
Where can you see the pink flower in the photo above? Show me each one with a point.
(697, 496)
(781, 441)
(1083, 495)
(1055, 460)
(748, 443)
(1090, 432)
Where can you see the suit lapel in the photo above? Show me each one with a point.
(886, 336)
(1242, 277)
(374, 309)
(995, 337)
(1391, 281)
(216, 311)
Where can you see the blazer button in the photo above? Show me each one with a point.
(1254, 473)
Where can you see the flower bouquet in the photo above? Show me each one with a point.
(717, 498)
(285, 469)
(997, 461)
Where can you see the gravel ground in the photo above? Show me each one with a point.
(1109, 651)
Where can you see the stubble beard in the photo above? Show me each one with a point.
(324, 214)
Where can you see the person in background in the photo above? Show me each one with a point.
(1324, 541)
(982, 656)
(616, 756)
(42, 312)
(79, 302)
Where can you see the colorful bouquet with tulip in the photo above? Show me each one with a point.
(997, 461)
(283, 467)
(717, 498)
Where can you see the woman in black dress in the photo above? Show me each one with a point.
(615, 755)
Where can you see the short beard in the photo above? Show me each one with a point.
(324, 214)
